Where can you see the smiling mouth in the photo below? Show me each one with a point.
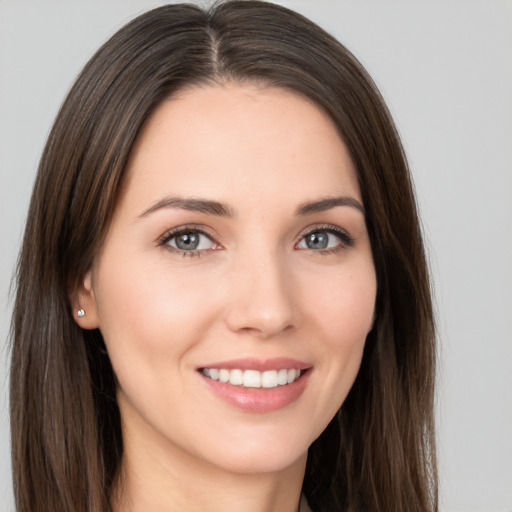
(253, 378)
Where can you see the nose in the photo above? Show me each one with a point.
(262, 297)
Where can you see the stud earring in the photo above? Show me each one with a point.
(80, 313)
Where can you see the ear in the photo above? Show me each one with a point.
(83, 303)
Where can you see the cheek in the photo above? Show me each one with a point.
(344, 316)
(346, 308)
(351, 322)
(151, 311)
(151, 317)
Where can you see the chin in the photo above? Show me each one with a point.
(265, 451)
(267, 460)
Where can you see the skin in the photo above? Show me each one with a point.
(253, 289)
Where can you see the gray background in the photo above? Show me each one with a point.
(445, 68)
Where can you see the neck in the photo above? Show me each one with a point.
(164, 478)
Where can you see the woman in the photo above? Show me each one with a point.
(222, 299)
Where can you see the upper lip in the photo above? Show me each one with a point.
(262, 365)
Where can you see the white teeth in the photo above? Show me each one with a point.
(282, 377)
(269, 379)
(253, 378)
(236, 378)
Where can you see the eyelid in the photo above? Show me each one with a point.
(173, 232)
(346, 239)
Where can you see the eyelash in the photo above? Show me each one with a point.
(182, 230)
(346, 241)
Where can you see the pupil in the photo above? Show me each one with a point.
(317, 240)
(187, 241)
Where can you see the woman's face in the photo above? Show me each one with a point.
(236, 286)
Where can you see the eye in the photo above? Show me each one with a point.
(325, 239)
(188, 241)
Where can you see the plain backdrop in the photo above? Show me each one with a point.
(445, 69)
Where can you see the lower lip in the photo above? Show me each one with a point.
(259, 400)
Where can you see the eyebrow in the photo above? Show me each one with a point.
(326, 204)
(191, 204)
(223, 210)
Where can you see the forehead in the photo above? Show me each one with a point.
(238, 142)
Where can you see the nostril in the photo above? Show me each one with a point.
(265, 331)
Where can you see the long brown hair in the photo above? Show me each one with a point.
(378, 453)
